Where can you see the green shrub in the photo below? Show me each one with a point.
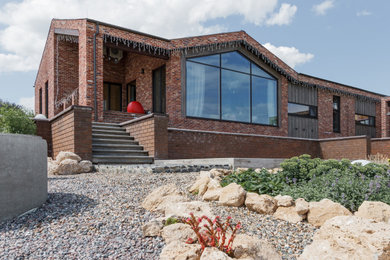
(171, 220)
(17, 120)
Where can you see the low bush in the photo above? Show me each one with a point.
(316, 179)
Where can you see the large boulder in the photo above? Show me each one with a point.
(321, 211)
(263, 204)
(212, 253)
(232, 195)
(152, 228)
(68, 167)
(85, 166)
(375, 210)
(284, 200)
(212, 194)
(180, 251)
(250, 247)
(288, 214)
(183, 209)
(178, 232)
(200, 186)
(350, 237)
(67, 155)
(301, 206)
(161, 197)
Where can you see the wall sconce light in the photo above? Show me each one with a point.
(142, 71)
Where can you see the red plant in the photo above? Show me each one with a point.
(214, 234)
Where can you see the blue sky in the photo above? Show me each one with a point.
(346, 41)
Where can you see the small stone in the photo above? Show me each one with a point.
(263, 204)
(178, 232)
(284, 200)
(212, 253)
(232, 195)
(301, 206)
(288, 214)
(323, 210)
(152, 228)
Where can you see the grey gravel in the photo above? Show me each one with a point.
(98, 216)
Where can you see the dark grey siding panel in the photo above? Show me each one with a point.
(302, 127)
(365, 130)
(302, 95)
(365, 107)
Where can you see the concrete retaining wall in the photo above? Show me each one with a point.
(23, 174)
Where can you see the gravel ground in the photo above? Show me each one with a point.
(97, 215)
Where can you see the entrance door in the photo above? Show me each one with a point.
(159, 90)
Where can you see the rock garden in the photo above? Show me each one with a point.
(306, 209)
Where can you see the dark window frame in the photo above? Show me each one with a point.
(304, 116)
(40, 101)
(109, 95)
(373, 124)
(47, 99)
(220, 67)
(336, 114)
(131, 90)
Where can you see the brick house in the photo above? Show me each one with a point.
(220, 95)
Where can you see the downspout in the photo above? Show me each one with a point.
(94, 71)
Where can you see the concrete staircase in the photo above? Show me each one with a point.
(111, 144)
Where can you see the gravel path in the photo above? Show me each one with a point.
(97, 215)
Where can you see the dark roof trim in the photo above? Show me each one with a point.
(127, 30)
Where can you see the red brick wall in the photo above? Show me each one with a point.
(44, 131)
(184, 144)
(348, 148)
(151, 132)
(381, 146)
(72, 131)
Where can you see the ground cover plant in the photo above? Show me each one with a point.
(316, 179)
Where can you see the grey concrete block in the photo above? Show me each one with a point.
(23, 174)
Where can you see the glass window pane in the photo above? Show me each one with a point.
(115, 97)
(235, 61)
(264, 101)
(202, 91)
(256, 70)
(302, 110)
(211, 59)
(235, 96)
(365, 120)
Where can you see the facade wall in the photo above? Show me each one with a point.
(186, 144)
(349, 148)
(380, 146)
(151, 132)
(44, 131)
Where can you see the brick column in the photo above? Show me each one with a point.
(44, 131)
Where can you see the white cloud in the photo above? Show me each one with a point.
(363, 13)
(25, 23)
(27, 102)
(323, 7)
(290, 55)
(285, 15)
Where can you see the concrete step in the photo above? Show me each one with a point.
(104, 124)
(116, 146)
(112, 136)
(105, 127)
(122, 159)
(110, 132)
(118, 152)
(103, 140)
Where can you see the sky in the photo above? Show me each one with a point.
(346, 41)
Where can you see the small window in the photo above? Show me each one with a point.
(112, 96)
(302, 110)
(364, 120)
(131, 92)
(336, 114)
(40, 101)
(47, 99)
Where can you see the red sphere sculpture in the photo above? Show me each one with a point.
(135, 107)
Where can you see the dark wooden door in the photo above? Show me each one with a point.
(159, 98)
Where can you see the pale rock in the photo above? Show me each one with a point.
(219, 172)
(258, 170)
(168, 200)
(52, 166)
(67, 155)
(203, 174)
(240, 170)
(68, 167)
(178, 232)
(85, 166)
(212, 194)
(212, 253)
(301, 206)
(350, 237)
(157, 197)
(213, 184)
(200, 185)
(183, 209)
(288, 214)
(375, 210)
(263, 204)
(232, 195)
(284, 200)
(152, 228)
(180, 251)
(321, 211)
(250, 247)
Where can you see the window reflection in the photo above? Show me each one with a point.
(264, 101)
(302, 110)
(235, 61)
